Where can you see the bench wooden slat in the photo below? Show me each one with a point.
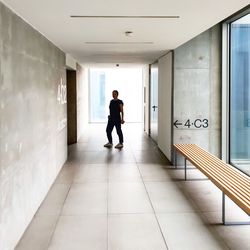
(230, 193)
(227, 168)
(231, 186)
(211, 173)
(217, 159)
(232, 182)
(225, 165)
(222, 171)
(198, 163)
(235, 176)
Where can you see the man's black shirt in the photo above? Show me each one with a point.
(114, 109)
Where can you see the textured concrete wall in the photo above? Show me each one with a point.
(70, 62)
(165, 104)
(33, 137)
(197, 91)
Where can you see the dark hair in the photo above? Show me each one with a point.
(116, 91)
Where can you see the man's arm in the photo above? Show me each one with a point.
(122, 113)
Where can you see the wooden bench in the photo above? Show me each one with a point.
(232, 182)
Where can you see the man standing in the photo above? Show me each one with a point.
(115, 119)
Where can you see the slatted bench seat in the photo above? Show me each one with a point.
(232, 182)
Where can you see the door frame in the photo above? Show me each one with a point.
(149, 101)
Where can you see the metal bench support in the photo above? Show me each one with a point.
(220, 186)
(232, 223)
(175, 158)
(185, 163)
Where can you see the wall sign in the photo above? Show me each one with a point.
(197, 123)
(62, 92)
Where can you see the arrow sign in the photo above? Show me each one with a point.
(176, 123)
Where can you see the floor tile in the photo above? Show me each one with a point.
(153, 172)
(134, 232)
(52, 205)
(187, 231)
(79, 146)
(91, 173)
(80, 232)
(193, 174)
(120, 156)
(204, 194)
(232, 214)
(128, 197)
(87, 198)
(167, 197)
(67, 173)
(235, 237)
(151, 157)
(38, 234)
(124, 173)
(108, 156)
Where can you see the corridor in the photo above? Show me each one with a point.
(130, 199)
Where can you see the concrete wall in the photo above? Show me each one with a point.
(70, 62)
(82, 100)
(33, 136)
(165, 104)
(197, 91)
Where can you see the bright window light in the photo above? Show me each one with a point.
(128, 82)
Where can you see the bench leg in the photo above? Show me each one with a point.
(224, 215)
(185, 163)
(175, 158)
(223, 208)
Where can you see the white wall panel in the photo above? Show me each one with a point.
(165, 104)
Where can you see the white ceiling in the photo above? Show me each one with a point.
(52, 19)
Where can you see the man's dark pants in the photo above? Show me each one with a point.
(117, 124)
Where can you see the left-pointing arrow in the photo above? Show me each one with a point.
(177, 123)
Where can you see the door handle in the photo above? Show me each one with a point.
(154, 107)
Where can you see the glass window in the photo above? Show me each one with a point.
(128, 81)
(240, 94)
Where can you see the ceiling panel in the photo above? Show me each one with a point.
(89, 40)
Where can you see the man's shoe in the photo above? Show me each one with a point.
(108, 145)
(119, 145)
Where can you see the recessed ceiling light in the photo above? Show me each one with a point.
(154, 17)
(129, 33)
(119, 43)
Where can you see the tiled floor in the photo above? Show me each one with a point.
(130, 199)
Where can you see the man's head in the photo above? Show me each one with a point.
(115, 94)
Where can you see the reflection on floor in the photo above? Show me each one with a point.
(130, 199)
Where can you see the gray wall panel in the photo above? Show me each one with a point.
(197, 90)
(33, 136)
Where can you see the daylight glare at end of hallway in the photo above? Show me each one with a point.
(128, 81)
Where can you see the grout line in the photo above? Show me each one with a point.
(107, 206)
(137, 164)
(153, 210)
